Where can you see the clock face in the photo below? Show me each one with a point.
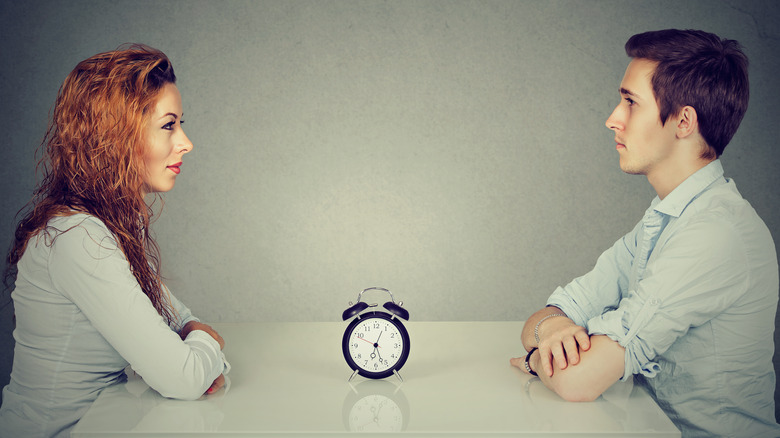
(375, 344)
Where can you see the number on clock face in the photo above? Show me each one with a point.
(376, 344)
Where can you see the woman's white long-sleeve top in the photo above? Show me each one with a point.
(81, 318)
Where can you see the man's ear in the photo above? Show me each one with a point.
(687, 122)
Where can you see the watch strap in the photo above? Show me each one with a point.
(527, 366)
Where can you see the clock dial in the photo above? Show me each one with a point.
(376, 344)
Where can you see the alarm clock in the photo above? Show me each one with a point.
(375, 343)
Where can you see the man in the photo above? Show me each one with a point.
(686, 301)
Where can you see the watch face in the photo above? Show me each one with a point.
(375, 344)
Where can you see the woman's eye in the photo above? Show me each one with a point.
(169, 126)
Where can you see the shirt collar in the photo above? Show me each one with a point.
(676, 201)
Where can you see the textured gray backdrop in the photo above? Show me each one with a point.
(452, 151)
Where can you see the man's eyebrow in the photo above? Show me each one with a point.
(627, 92)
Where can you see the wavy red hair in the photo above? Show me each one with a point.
(92, 158)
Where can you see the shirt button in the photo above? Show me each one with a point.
(655, 301)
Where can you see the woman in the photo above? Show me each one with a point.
(88, 295)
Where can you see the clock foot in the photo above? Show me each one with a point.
(354, 373)
(398, 375)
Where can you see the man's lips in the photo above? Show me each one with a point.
(619, 144)
(175, 168)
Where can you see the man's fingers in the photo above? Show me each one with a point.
(546, 357)
(571, 349)
(583, 340)
(559, 356)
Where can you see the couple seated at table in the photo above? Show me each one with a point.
(684, 301)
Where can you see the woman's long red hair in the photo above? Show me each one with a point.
(92, 158)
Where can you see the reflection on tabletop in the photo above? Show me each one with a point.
(145, 410)
(375, 406)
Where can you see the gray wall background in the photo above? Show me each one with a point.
(452, 151)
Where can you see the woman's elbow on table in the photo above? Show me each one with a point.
(191, 393)
(186, 379)
(183, 388)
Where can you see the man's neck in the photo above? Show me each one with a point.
(667, 178)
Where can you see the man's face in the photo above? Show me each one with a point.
(643, 143)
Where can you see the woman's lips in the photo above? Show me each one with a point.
(175, 168)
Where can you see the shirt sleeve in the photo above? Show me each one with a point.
(600, 289)
(86, 266)
(182, 313)
(692, 276)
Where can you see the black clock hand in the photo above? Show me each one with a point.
(376, 346)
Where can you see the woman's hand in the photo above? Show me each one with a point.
(219, 382)
(194, 325)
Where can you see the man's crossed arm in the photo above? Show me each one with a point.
(578, 367)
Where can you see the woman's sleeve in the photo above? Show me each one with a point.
(182, 314)
(86, 266)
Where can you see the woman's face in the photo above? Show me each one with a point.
(166, 142)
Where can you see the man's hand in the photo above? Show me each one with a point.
(519, 362)
(599, 367)
(560, 339)
(194, 325)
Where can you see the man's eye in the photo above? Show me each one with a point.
(629, 100)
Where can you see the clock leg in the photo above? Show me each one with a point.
(398, 375)
(354, 373)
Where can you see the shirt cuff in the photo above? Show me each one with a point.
(226, 367)
(561, 300)
(637, 357)
(201, 337)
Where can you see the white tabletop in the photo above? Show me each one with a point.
(290, 379)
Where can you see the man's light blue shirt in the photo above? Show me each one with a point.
(691, 294)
